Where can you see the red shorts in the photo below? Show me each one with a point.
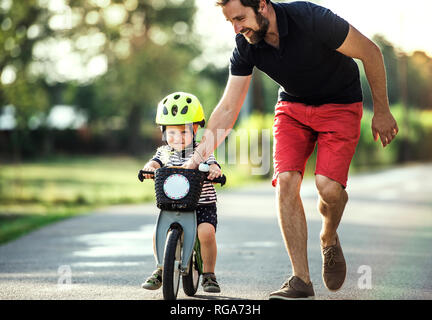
(298, 127)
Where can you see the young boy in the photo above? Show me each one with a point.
(179, 115)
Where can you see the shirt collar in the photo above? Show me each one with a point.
(282, 24)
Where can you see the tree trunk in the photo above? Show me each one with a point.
(133, 130)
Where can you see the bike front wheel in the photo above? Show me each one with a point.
(191, 280)
(172, 263)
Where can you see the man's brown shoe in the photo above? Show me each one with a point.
(294, 288)
(334, 266)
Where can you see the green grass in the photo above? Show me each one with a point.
(36, 193)
(425, 118)
(14, 225)
(33, 194)
(78, 181)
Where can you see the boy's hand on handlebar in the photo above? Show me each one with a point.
(215, 172)
(148, 168)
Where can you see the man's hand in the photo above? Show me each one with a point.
(215, 172)
(190, 164)
(384, 126)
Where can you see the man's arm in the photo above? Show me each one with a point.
(222, 119)
(360, 47)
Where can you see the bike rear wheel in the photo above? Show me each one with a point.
(172, 263)
(191, 280)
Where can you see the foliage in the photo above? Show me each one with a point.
(19, 86)
(408, 145)
(145, 45)
(409, 77)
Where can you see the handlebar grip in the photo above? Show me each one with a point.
(221, 180)
(141, 174)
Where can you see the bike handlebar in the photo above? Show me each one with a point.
(142, 173)
(221, 179)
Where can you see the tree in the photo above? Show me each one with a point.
(114, 57)
(18, 86)
(419, 80)
(391, 64)
(153, 62)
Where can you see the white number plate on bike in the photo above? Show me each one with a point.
(176, 186)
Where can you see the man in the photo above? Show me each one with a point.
(308, 51)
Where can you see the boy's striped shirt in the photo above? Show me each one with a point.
(166, 156)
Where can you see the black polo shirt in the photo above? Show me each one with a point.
(306, 65)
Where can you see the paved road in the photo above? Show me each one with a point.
(386, 234)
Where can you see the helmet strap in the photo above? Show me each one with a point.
(163, 130)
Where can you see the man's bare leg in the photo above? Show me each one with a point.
(292, 222)
(331, 204)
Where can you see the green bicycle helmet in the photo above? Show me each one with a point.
(180, 108)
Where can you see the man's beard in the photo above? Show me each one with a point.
(258, 35)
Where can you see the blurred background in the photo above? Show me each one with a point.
(80, 81)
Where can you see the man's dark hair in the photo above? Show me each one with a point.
(254, 4)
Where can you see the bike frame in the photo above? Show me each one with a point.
(172, 219)
(186, 222)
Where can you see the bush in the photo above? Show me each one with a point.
(408, 145)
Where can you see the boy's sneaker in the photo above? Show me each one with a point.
(153, 282)
(209, 283)
(294, 288)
